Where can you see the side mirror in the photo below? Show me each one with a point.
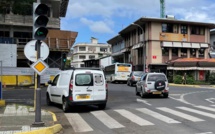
(50, 82)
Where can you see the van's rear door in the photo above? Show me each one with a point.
(83, 86)
(99, 86)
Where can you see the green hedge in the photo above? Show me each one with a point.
(212, 78)
(178, 80)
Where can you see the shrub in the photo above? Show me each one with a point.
(212, 78)
(190, 80)
(177, 79)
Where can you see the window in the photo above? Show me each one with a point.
(165, 51)
(167, 28)
(54, 83)
(201, 52)
(184, 52)
(92, 57)
(197, 30)
(98, 79)
(183, 29)
(103, 49)
(155, 77)
(175, 51)
(82, 57)
(84, 80)
(192, 52)
(82, 65)
(82, 48)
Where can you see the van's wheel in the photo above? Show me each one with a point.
(48, 101)
(65, 105)
(102, 106)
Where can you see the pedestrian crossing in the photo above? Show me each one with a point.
(115, 119)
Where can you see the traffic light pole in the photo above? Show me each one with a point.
(38, 121)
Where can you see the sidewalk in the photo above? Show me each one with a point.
(187, 85)
(18, 119)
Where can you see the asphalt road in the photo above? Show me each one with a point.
(188, 110)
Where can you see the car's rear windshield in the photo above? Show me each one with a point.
(84, 79)
(155, 77)
(138, 74)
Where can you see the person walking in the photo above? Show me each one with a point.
(184, 78)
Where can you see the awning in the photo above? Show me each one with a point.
(186, 45)
(190, 68)
(177, 44)
(166, 44)
(204, 45)
(117, 53)
(124, 50)
(195, 45)
(137, 46)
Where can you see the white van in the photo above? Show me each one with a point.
(78, 86)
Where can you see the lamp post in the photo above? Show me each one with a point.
(144, 48)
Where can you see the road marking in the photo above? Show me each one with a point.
(10, 110)
(197, 112)
(107, 120)
(78, 123)
(134, 118)
(211, 100)
(205, 133)
(206, 108)
(143, 101)
(180, 114)
(157, 115)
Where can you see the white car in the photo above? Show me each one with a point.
(78, 87)
(153, 83)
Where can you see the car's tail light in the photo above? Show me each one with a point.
(71, 86)
(70, 98)
(165, 90)
(132, 78)
(148, 91)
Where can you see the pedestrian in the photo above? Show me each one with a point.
(184, 79)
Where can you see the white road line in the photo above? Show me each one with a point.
(197, 112)
(22, 110)
(157, 115)
(134, 118)
(10, 110)
(107, 120)
(78, 123)
(180, 114)
(206, 108)
(143, 101)
(205, 133)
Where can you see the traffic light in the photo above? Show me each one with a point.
(64, 58)
(40, 20)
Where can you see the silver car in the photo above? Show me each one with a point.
(134, 77)
(153, 83)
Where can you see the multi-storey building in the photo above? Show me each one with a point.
(87, 51)
(168, 45)
(16, 29)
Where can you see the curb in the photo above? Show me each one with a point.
(2, 103)
(181, 85)
(49, 130)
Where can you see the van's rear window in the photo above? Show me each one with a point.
(84, 80)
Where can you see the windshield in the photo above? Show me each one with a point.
(139, 74)
(84, 80)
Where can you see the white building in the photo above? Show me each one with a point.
(86, 51)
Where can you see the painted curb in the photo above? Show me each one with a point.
(181, 85)
(2, 103)
(49, 130)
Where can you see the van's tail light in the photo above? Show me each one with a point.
(132, 78)
(71, 86)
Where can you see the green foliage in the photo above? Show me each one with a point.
(190, 80)
(212, 78)
(177, 79)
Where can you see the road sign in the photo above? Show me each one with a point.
(39, 66)
(30, 51)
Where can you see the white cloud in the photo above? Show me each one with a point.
(97, 26)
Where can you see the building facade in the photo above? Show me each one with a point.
(162, 41)
(16, 29)
(87, 51)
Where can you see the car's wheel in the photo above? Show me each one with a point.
(127, 82)
(65, 105)
(166, 95)
(137, 93)
(48, 101)
(102, 106)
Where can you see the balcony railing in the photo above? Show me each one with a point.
(20, 20)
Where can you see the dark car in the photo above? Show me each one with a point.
(134, 77)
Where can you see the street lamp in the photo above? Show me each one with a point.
(144, 48)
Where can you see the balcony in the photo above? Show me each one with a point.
(21, 20)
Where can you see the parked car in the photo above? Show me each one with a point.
(134, 77)
(153, 83)
(78, 87)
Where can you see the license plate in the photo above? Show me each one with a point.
(156, 92)
(80, 97)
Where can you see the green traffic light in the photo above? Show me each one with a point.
(64, 60)
(39, 33)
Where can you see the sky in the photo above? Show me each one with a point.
(104, 19)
